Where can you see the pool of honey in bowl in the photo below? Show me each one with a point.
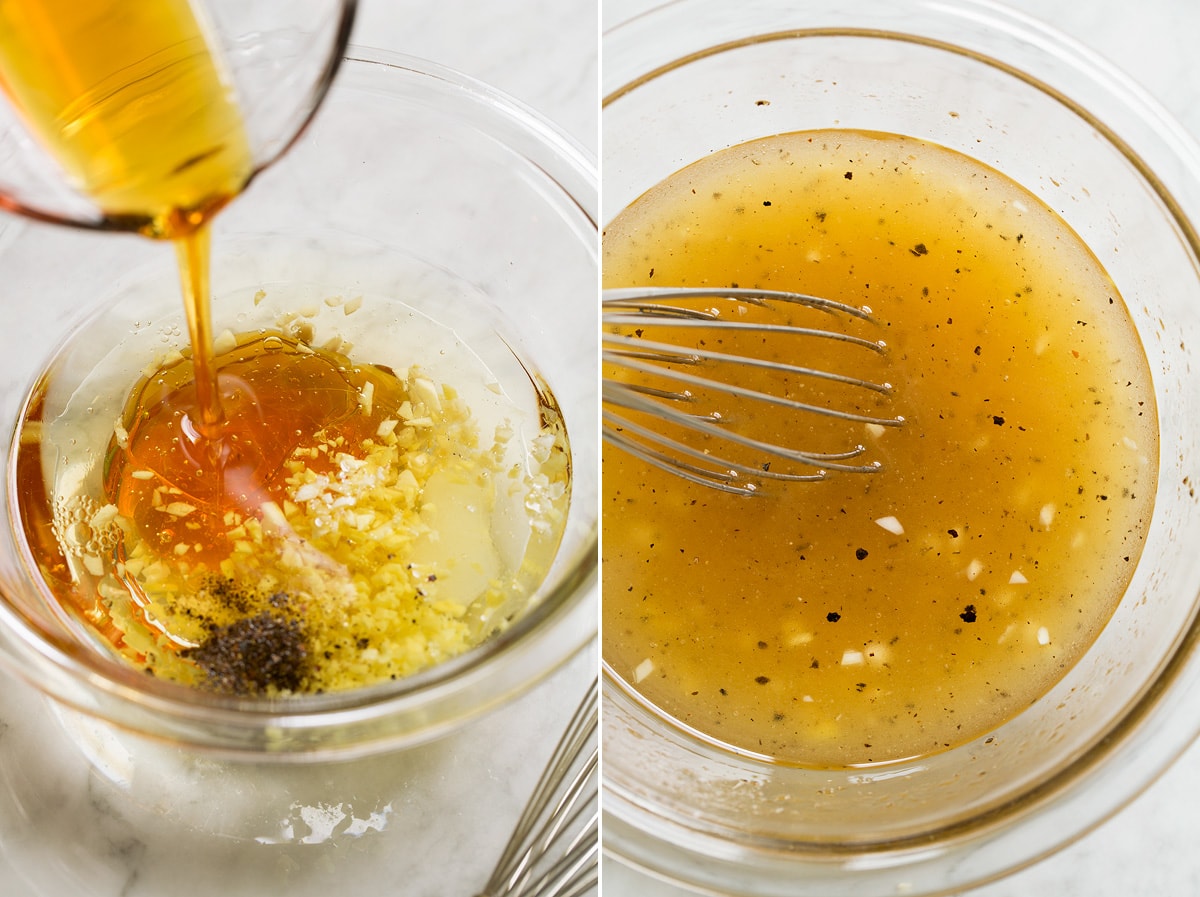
(873, 617)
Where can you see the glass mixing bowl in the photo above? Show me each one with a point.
(413, 184)
(691, 78)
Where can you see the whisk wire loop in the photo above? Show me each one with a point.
(554, 847)
(646, 411)
(644, 298)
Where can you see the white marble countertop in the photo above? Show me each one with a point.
(1149, 849)
(426, 823)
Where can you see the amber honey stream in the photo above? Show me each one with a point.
(873, 617)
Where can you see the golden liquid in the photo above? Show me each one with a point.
(131, 102)
(275, 394)
(873, 617)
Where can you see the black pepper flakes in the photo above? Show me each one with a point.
(860, 553)
(968, 614)
(833, 616)
(253, 655)
(761, 680)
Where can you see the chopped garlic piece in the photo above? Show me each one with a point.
(851, 658)
(225, 342)
(366, 397)
(273, 516)
(643, 669)
(974, 569)
(891, 524)
(103, 517)
(1017, 578)
(1046, 515)
(1043, 636)
(425, 391)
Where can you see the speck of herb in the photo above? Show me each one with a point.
(919, 250)
(762, 680)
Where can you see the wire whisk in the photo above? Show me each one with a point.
(732, 388)
(554, 848)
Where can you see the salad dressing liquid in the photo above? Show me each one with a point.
(874, 617)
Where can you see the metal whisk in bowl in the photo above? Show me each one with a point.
(554, 847)
(731, 388)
